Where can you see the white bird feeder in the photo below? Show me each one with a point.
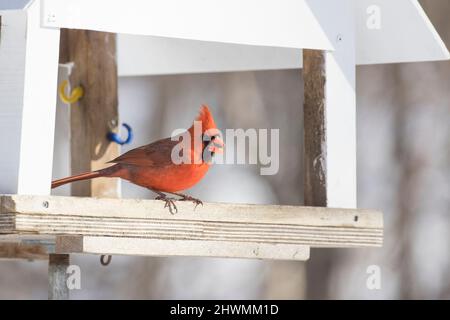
(327, 38)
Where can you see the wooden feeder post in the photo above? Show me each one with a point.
(330, 117)
(96, 113)
(330, 128)
(315, 160)
(57, 276)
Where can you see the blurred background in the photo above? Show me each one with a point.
(403, 116)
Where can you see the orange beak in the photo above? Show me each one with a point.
(217, 145)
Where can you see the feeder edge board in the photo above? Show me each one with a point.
(230, 225)
(13, 250)
(158, 247)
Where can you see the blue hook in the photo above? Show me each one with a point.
(114, 137)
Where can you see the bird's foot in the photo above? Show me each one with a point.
(169, 203)
(192, 199)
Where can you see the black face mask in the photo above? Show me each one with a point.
(206, 154)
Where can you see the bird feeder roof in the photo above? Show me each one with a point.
(403, 34)
(14, 4)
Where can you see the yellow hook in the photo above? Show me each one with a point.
(75, 95)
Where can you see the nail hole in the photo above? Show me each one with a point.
(356, 218)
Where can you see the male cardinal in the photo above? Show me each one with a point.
(151, 166)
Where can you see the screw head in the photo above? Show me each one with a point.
(45, 204)
(51, 17)
(113, 123)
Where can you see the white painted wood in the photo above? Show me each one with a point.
(341, 115)
(61, 149)
(282, 23)
(12, 74)
(340, 105)
(405, 34)
(39, 103)
(28, 74)
(146, 55)
(156, 55)
(157, 247)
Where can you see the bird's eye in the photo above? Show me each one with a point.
(213, 137)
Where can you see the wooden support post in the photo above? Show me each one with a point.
(330, 133)
(57, 281)
(96, 113)
(315, 189)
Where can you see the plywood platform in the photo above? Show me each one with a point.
(145, 227)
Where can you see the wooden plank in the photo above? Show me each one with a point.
(13, 250)
(96, 113)
(139, 208)
(29, 247)
(57, 272)
(158, 247)
(28, 73)
(315, 227)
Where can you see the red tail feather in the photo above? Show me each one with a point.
(78, 177)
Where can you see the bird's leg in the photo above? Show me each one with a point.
(185, 197)
(169, 202)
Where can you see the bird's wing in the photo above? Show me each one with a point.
(156, 154)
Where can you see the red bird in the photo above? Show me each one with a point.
(151, 166)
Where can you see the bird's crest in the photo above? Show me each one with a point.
(206, 118)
